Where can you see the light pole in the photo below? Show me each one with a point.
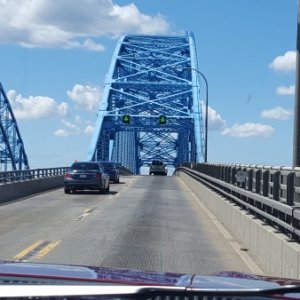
(296, 143)
(206, 111)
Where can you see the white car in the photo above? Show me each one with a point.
(157, 167)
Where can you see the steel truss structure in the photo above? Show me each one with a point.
(149, 77)
(12, 152)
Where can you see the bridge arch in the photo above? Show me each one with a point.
(151, 106)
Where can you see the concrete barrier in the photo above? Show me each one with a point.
(124, 171)
(13, 191)
(275, 254)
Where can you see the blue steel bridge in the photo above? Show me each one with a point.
(12, 150)
(151, 104)
(150, 108)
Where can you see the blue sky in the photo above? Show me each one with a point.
(55, 55)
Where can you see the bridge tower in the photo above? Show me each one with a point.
(151, 106)
(12, 152)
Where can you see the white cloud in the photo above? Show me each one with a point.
(81, 127)
(48, 23)
(35, 107)
(285, 62)
(215, 121)
(286, 90)
(248, 130)
(71, 129)
(130, 17)
(92, 46)
(277, 113)
(89, 129)
(85, 96)
(61, 133)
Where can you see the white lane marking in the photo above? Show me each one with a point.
(86, 212)
(114, 196)
(255, 269)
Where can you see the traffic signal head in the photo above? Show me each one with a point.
(162, 120)
(126, 119)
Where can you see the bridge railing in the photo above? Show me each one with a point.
(270, 193)
(15, 176)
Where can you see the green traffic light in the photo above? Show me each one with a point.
(126, 119)
(162, 119)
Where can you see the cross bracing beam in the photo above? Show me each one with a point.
(12, 152)
(149, 77)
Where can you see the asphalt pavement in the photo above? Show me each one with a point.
(149, 223)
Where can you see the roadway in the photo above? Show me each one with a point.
(146, 222)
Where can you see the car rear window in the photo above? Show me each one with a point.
(85, 166)
(107, 165)
(157, 163)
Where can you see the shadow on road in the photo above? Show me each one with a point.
(93, 193)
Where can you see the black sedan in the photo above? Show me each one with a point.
(112, 170)
(86, 176)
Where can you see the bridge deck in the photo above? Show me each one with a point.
(146, 222)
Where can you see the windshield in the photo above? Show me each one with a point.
(150, 142)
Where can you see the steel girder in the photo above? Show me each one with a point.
(12, 151)
(150, 76)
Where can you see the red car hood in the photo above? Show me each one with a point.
(223, 280)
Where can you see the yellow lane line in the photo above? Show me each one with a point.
(27, 250)
(47, 249)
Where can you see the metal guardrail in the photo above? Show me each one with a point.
(271, 194)
(15, 176)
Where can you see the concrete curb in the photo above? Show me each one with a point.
(272, 251)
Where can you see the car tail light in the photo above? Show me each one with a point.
(98, 175)
(68, 176)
